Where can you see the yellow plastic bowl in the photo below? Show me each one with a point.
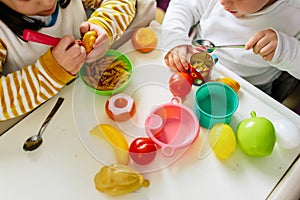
(84, 75)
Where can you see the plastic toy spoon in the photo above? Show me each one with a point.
(34, 36)
(35, 141)
(211, 46)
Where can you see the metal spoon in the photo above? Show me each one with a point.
(211, 46)
(35, 141)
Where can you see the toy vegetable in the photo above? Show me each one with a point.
(119, 179)
(89, 40)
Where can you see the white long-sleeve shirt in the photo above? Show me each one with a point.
(221, 27)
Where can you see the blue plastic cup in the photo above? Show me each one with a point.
(215, 102)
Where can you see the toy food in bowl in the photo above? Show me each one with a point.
(108, 75)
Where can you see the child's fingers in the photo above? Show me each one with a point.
(269, 57)
(65, 42)
(254, 39)
(175, 63)
(101, 37)
(261, 45)
(179, 63)
(84, 27)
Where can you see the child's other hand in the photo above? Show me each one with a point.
(102, 43)
(178, 58)
(263, 43)
(69, 54)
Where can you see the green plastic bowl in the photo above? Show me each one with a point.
(119, 56)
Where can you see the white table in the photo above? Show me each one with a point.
(62, 168)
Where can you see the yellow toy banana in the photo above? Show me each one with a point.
(119, 179)
(116, 139)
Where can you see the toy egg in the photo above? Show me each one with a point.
(120, 107)
(288, 133)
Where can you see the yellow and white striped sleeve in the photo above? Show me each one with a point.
(114, 16)
(24, 90)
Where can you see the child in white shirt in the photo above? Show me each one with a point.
(271, 28)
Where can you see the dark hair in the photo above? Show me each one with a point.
(17, 22)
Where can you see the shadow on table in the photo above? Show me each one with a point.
(6, 125)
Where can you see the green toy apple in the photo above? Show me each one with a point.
(256, 136)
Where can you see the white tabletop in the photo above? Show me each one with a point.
(64, 166)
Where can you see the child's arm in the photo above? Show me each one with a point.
(112, 15)
(110, 21)
(263, 43)
(280, 49)
(24, 90)
(287, 54)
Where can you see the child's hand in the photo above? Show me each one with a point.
(69, 54)
(178, 58)
(102, 42)
(263, 43)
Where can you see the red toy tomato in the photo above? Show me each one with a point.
(180, 84)
(142, 150)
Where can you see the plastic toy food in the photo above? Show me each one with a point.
(115, 138)
(144, 39)
(120, 107)
(119, 179)
(89, 40)
(287, 133)
(230, 82)
(142, 150)
(180, 84)
(108, 75)
(256, 136)
(222, 140)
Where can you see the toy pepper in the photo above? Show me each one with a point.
(119, 179)
(89, 40)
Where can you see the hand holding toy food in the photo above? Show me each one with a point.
(115, 138)
(119, 179)
(89, 40)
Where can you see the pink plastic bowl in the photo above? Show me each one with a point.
(172, 126)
